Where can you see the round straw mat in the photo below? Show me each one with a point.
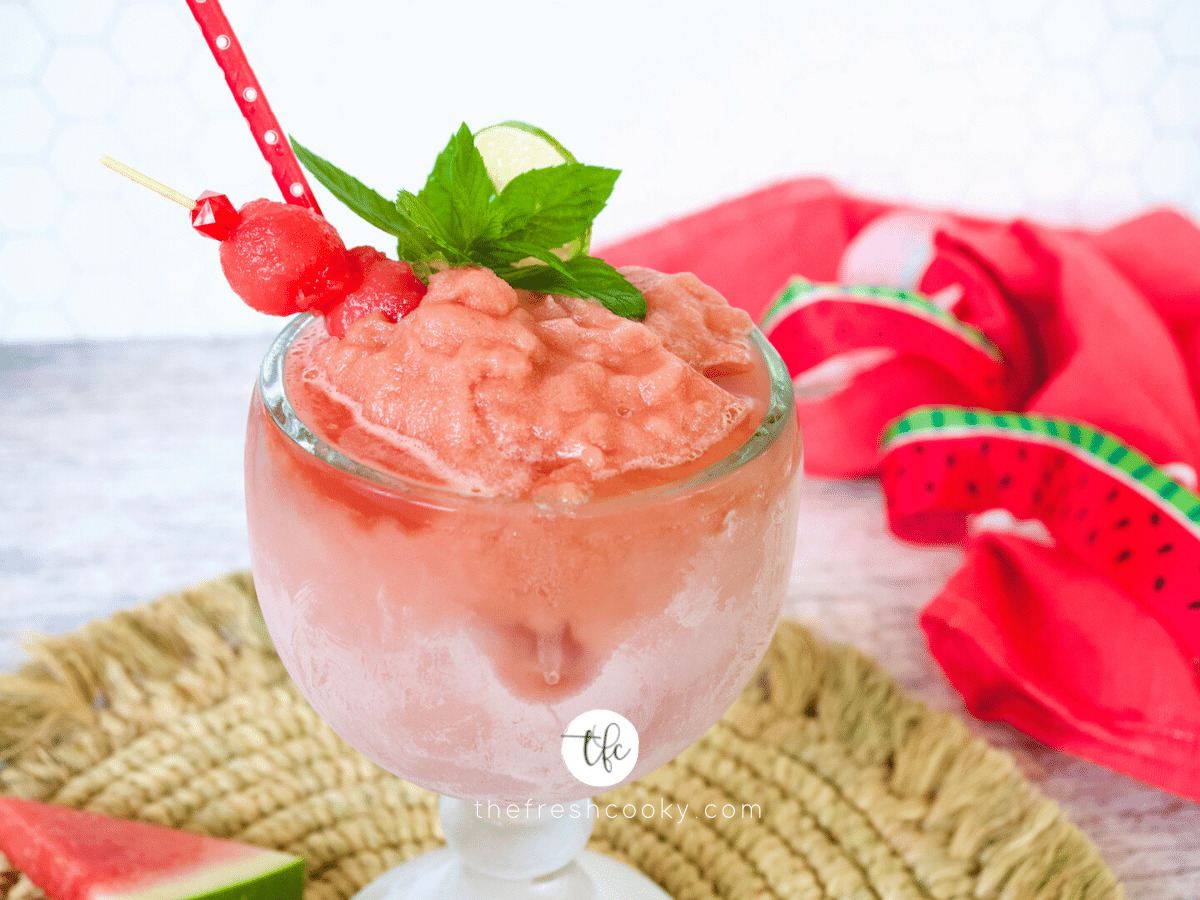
(179, 713)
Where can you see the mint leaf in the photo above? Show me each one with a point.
(581, 276)
(459, 219)
(506, 252)
(426, 236)
(363, 201)
(458, 193)
(554, 205)
(609, 286)
(604, 283)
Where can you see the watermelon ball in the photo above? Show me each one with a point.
(387, 286)
(283, 259)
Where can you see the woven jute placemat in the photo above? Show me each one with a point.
(179, 713)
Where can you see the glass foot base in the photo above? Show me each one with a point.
(440, 875)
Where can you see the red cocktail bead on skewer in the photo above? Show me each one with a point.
(214, 216)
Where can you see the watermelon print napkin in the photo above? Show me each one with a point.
(1026, 391)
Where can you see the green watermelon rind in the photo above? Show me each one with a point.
(286, 881)
(800, 293)
(66, 850)
(1094, 447)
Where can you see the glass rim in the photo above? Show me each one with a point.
(779, 412)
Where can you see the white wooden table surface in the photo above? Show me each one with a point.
(120, 479)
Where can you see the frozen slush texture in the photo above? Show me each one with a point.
(452, 637)
(551, 396)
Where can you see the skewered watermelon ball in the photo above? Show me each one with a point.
(283, 259)
(387, 286)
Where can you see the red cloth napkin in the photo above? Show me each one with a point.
(1100, 327)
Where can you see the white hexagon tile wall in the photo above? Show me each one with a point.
(1078, 111)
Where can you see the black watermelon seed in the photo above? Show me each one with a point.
(950, 461)
(1060, 461)
(1082, 514)
(972, 488)
(1113, 494)
(878, 334)
(1124, 555)
(1159, 582)
(1037, 496)
(918, 448)
(1005, 481)
(1047, 477)
(1091, 538)
(1022, 453)
(984, 448)
(842, 332)
(1122, 523)
(1195, 604)
(929, 487)
(1153, 518)
(1166, 548)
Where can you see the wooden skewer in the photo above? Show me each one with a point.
(146, 181)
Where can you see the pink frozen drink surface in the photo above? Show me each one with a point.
(554, 396)
(549, 534)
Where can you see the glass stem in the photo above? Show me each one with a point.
(507, 849)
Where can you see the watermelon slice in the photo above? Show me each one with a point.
(810, 323)
(1099, 499)
(72, 854)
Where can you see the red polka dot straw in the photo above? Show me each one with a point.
(249, 96)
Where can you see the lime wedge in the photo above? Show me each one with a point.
(510, 148)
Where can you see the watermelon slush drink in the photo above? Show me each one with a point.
(507, 509)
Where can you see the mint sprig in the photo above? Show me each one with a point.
(459, 218)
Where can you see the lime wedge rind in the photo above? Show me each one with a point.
(512, 147)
